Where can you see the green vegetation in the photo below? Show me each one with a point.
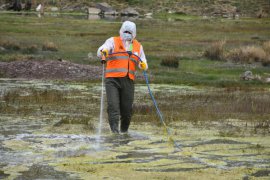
(72, 39)
(220, 121)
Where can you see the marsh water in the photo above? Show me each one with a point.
(49, 131)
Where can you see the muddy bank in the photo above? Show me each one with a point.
(49, 69)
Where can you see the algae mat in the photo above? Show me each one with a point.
(48, 131)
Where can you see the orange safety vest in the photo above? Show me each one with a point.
(121, 64)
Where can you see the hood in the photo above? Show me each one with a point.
(128, 26)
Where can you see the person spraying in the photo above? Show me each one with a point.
(122, 55)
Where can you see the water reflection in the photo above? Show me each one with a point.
(78, 16)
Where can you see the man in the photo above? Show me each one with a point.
(123, 54)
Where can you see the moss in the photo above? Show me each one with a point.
(146, 152)
(18, 145)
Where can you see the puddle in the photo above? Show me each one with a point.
(49, 131)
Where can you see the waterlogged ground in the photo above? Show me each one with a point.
(49, 131)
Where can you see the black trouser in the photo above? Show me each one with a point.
(120, 95)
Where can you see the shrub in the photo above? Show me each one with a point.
(215, 51)
(19, 57)
(266, 47)
(31, 49)
(247, 54)
(10, 45)
(49, 46)
(170, 61)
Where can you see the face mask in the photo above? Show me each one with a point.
(127, 36)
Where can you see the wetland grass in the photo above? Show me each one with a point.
(185, 40)
(221, 121)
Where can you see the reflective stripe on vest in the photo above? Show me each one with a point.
(121, 64)
(122, 58)
(119, 70)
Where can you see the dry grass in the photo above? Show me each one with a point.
(31, 49)
(49, 46)
(215, 51)
(19, 57)
(266, 47)
(170, 61)
(10, 45)
(249, 54)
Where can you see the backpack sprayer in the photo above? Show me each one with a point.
(167, 130)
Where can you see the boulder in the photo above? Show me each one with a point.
(148, 15)
(93, 10)
(111, 13)
(4, 6)
(267, 80)
(40, 8)
(54, 9)
(93, 17)
(247, 75)
(106, 9)
(129, 12)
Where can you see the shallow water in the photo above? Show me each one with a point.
(49, 130)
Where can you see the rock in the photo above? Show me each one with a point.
(40, 8)
(247, 76)
(236, 16)
(4, 7)
(148, 14)
(2, 49)
(106, 9)
(267, 80)
(90, 55)
(93, 10)
(261, 14)
(54, 9)
(93, 17)
(111, 13)
(129, 12)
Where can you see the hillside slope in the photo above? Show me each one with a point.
(191, 7)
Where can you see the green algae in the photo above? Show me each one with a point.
(62, 135)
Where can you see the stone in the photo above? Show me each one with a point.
(106, 9)
(39, 8)
(267, 80)
(129, 12)
(247, 75)
(111, 13)
(93, 10)
(54, 9)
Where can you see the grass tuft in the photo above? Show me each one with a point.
(249, 54)
(215, 51)
(170, 61)
(31, 49)
(10, 45)
(49, 46)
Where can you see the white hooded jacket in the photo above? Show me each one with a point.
(109, 43)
